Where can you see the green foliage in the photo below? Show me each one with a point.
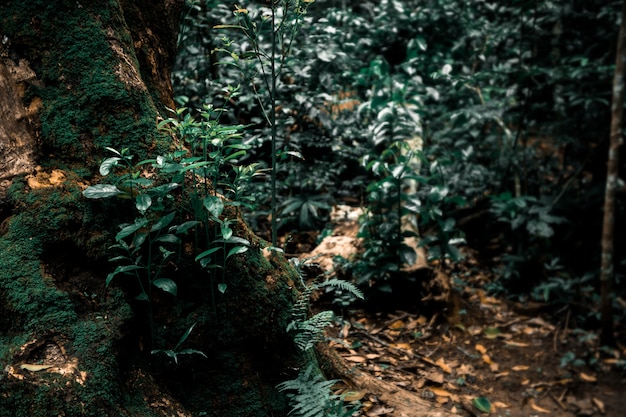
(313, 396)
(186, 190)
(176, 352)
(509, 100)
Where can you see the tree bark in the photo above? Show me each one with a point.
(617, 113)
(76, 77)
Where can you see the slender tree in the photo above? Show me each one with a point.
(617, 112)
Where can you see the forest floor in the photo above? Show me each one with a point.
(474, 355)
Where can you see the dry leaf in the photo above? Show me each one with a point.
(537, 408)
(486, 359)
(515, 344)
(441, 363)
(599, 404)
(351, 396)
(433, 376)
(587, 378)
(500, 404)
(34, 367)
(403, 346)
(481, 348)
(372, 356)
(494, 367)
(398, 324)
(357, 359)
(440, 392)
(520, 368)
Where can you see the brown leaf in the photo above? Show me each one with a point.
(34, 367)
(351, 396)
(441, 363)
(599, 404)
(357, 359)
(515, 344)
(398, 324)
(434, 376)
(481, 348)
(520, 368)
(537, 408)
(587, 378)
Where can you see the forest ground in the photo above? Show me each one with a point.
(520, 359)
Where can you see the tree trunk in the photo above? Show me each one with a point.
(76, 77)
(617, 113)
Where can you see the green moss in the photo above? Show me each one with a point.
(78, 79)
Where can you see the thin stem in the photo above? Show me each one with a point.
(273, 120)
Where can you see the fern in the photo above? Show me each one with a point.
(342, 285)
(310, 331)
(313, 396)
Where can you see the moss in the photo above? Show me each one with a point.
(77, 79)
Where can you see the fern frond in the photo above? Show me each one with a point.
(312, 396)
(342, 285)
(311, 331)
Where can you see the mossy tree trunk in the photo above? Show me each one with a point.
(77, 77)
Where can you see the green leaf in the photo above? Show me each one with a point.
(227, 232)
(482, 404)
(166, 285)
(107, 165)
(184, 336)
(142, 297)
(221, 287)
(407, 254)
(214, 205)
(185, 227)
(101, 191)
(132, 228)
(143, 202)
(163, 222)
(168, 238)
(207, 253)
(236, 250)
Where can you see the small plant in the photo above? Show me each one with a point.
(313, 395)
(174, 194)
(176, 352)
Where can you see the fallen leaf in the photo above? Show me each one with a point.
(500, 404)
(486, 359)
(442, 400)
(441, 363)
(482, 404)
(434, 376)
(440, 392)
(358, 359)
(599, 404)
(34, 367)
(519, 368)
(515, 344)
(398, 324)
(372, 356)
(587, 378)
(481, 348)
(351, 396)
(494, 367)
(537, 408)
(491, 332)
(403, 346)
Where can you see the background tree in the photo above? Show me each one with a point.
(612, 176)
